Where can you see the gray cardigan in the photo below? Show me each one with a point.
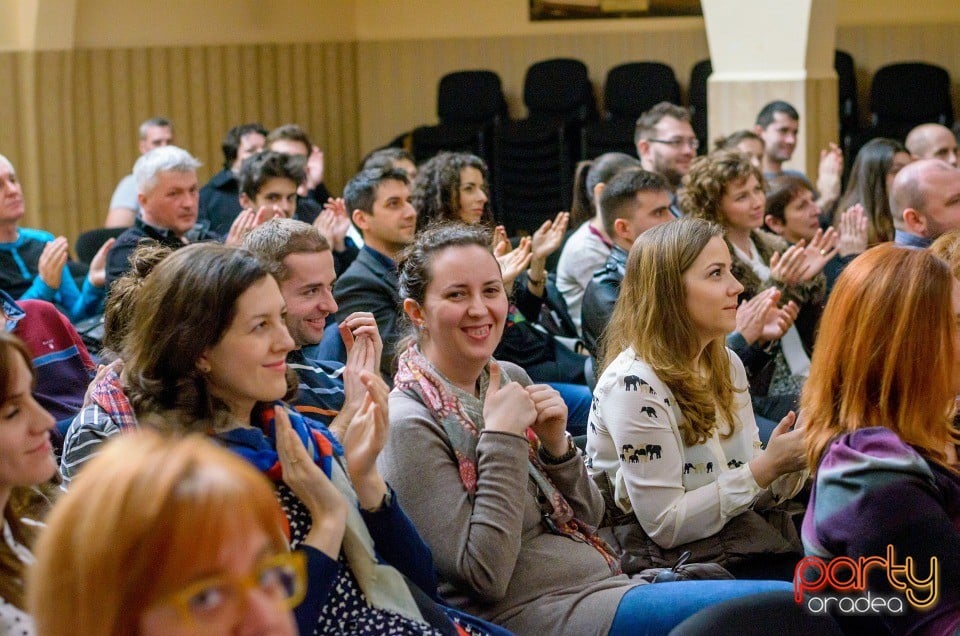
(494, 555)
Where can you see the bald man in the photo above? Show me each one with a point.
(925, 202)
(933, 141)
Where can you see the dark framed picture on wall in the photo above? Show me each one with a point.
(581, 9)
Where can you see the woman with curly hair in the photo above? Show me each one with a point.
(726, 188)
(452, 184)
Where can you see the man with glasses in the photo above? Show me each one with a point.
(666, 144)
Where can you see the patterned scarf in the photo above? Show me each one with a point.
(320, 443)
(418, 378)
(384, 587)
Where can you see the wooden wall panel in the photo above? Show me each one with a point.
(70, 125)
(72, 130)
(398, 79)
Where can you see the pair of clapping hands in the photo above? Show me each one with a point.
(54, 257)
(532, 251)
(362, 426)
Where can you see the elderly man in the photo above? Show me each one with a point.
(124, 206)
(168, 194)
(33, 263)
(933, 141)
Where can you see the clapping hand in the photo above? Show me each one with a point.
(854, 231)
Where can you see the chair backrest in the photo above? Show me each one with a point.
(846, 87)
(914, 92)
(697, 100)
(632, 88)
(559, 88)
(472, 97)
(89, 242)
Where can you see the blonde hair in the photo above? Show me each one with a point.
(139, 522)
(886, 358)
(651, 317)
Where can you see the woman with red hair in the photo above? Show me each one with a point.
(878, 407)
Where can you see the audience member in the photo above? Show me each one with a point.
(26, 461)
(792, 214)
(727, 189)
(299, 258)
(219, 203)
(932, 141)
(871, 177)
(61, 362)
(925, 198)
(588, 248)
(672, 436)
(480, 458)
(170, 536)
(218, 366)
(879, 432)
(106, 410)
(391, 158)
(314, 203)
(448, 189)
(380, 206)
(632, 202)
(125, 204)
(168, 194)
(452, 185)
(746, 141)
(291, 139)
(33, 264)
(666, 144)
(778, 124)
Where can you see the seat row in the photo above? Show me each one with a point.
(532, 160)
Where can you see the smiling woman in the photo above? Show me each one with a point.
(195, 547)
(481, 458)
(727, 189)
(26, 460)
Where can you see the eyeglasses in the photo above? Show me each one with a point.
(693, 143)
(210, 601)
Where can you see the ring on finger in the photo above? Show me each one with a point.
(823, 252)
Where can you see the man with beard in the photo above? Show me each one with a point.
(666, 144)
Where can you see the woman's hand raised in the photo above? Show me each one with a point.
(365, 438)
(508, 408)
(328, 508)
(551, 424)
(785, 453)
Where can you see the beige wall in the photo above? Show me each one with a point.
(83, 73)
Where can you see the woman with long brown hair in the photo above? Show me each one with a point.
(26, 461)
(672, 435)
(878, 407)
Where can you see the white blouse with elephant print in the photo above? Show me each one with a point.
(678, 493)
